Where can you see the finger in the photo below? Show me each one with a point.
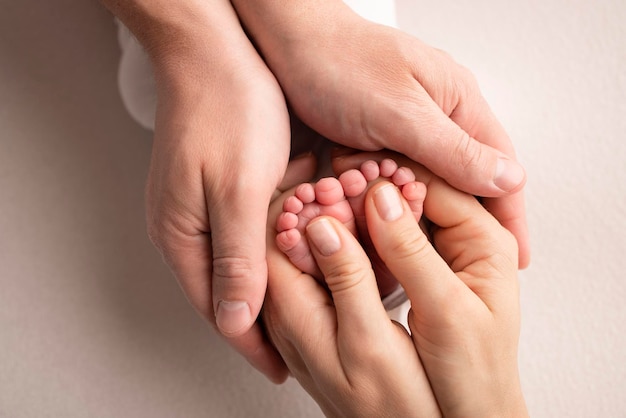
(299, 316)
(475, 116)
(511, 213)
(474, 244)
(509, 210)
(431, 138)
(469, 240)
(347, 271)
(239, 279)
(239, 276)
(437, 205)
(407, 252)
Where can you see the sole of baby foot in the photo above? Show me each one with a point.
(343, 199)
(324, 198)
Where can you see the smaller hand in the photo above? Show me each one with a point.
(464, 319)
(343, 348)
(464, 295)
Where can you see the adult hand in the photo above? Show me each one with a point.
(343, 349)
(370, 87)
(464, 319)
(221, 146)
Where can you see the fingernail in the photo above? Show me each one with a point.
(388, 203)
(509, 174)
(232, 316)
(324, 237)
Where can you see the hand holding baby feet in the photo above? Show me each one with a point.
(343, 199)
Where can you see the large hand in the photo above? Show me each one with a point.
(221, 146)
(370, 87)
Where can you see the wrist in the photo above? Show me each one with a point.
(282, 29)
(183, 37)
(154, 22)
(510, 403)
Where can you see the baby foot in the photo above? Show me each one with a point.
(325, 198)
(342, 199)
(356, 183)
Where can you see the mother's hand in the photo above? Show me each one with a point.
(461, 357)
(343, 349)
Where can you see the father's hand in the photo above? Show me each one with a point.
(221, 146)
(370, 87)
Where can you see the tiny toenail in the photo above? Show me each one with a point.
(324, 237)
(388, 203)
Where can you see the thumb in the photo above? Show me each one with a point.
(239, 277)
(431, 138)
(350, 278)
(407, 252)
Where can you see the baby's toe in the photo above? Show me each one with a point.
(353, 182)
(328, 191)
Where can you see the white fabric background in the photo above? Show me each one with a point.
(91, 322)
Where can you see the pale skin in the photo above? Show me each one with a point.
(461, 357)
(222, 136)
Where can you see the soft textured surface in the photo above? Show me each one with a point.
(91, 322)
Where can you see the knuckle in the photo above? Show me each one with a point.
(233, 268)
(346, 276)
(167, 235)
(160, 229)
(467, 154)
(408, 245)
(162, 241)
